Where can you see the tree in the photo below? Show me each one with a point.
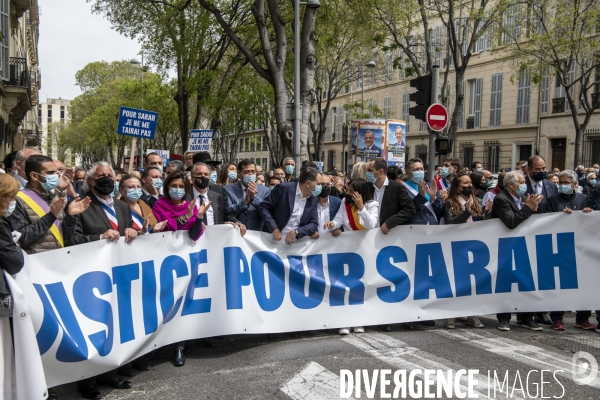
(557, 37)
(273, 20)
(57, 147)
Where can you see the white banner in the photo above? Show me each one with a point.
(100, 305)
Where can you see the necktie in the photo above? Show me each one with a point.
(204, 220)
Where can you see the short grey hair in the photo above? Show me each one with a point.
(512, 176)
(177, 164)
(569, 174)
(20, 156)
(589, 177)
(90, 173)
(287, 158)
(199, 164)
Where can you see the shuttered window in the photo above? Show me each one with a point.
(4, 45)
(523, 97)
(496, 100)
(405, 108)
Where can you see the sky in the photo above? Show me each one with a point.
(70, 38)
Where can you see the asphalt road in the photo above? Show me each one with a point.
(254, 367)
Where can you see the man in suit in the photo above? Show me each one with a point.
(218, 213)
(327, 207)
(538, 184)
(289, 166)
(290, 210)
(428, 203)
(512, 209)
(103, 219)
(395, 206)
(370, 150)
(152, 182)
(245, 195)
(205, 158)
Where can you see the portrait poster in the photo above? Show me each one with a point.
(396, 142)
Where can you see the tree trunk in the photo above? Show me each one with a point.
(308, 65)
(182, 99)
(458, 105)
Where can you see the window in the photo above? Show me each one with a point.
(241, 142)
(422, 153)
(512, 24)
(477, 103)
(559, 90)
(493, 155)
(330, 160)
(461, 115)
(39, 115)
(247, 144)
(545, 90)
(62, 113)
(480, 44)
(467, 150)
(400, 64)
(389, 66)
(328, 127)
(265, 147)
(422, 126)
(49, 113)
(5, 44)
(405, 108)
(406, 152)
(496, 101)
(523, 97)
(446, 98)
(471, 98)
(387, 106)
(436, 39)
(373, 103)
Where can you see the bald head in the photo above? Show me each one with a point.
(22, 157)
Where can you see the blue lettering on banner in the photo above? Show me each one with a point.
(168, 305)
(316, 281)
(197, 280)
(340, 280)
(384, 264)
(122, 277)
(235, 277)
(276, 273)
(464, 269)
(547, 260)
(521, 274)
(149, 308)
(438, 279)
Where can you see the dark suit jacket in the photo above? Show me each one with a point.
(236, 200)
(423, 215)
(148, 199)
(221, 212)
(277, 207)
(595, 198)
(506, 209)
(334, 206)
(548, 190)
(11, 256)
(396, 207)
(93, 222)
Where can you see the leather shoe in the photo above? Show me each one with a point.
(542, 318)
(386, 328)
(90, 392)
(179, 358)
(141, 364)
(115, 383)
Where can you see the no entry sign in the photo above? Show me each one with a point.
(437, 117)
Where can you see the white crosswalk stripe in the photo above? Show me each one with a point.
(402, 356)
(534, 356)
(314, 382)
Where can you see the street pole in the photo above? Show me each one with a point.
(142, 139)
(297, 106)
(134, 140)
(362, 94)
(435, 78)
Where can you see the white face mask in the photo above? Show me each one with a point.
(11, 208)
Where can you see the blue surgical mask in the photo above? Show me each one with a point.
(418, 176)
(317, 190)
(491, 183)
(371, 177)
(51, 182)
(597, 170)
(289, 169)
(232, 176)
(134, 194)
(176, 194)
(10, 209)
(158, 183)
(249, 178)
(213, 178)
(593, 182)
(564, 189)
(479, 169)
(522, 189)
(445, 172)
(116, 191)
(271, 187)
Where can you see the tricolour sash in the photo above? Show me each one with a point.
(112, 216)
(41, 208)
(353, 218)
(138, 222)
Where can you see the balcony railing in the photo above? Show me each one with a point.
(558, 105)
(471, 122)
(19, 75)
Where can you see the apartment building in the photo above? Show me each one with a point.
(506, 117)
(53, 117)
(19, 75)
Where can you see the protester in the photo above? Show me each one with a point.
(496, 189)
(244, 196)
(38, 213)
(11, 261)
(580, 171)
(273, 181)
(103, 219)
(260, 179)
(395, 207)
(428, 204)
(9, 161)
(462, 207)
(188, 159)
(590, 184)
(228, 175)
(152, 184)
(141, 213)
(118, 176)
(519, 165)
(476, 167)
(358, 211)
(393, 171)
(512, 210)
(290, 210)
(174, 166)
(327, 207)
(279, 173)
(568, 200)
(553, 178)
(205, 158)
(154, 160)
(479, 184)
(178, 214)
(289, 166)
(359, 171)
(450, 167)
(19, 163)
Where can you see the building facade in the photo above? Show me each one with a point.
(53, 117)
(20, 76)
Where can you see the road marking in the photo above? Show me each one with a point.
(534, 356)
(314, 382)
(402, 356)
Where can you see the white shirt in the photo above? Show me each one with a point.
(110, 202)
(210, 216)
(148, 194)
(324, 217)
(378, 196)
(517, 201)
(367, 217)
(297, 212)
(488, 196)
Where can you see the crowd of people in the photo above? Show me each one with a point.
(45, 206)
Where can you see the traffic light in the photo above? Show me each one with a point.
(345, 133)
(443, 146)
(422, 97)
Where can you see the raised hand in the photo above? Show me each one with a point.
(159, 227)
(57, 206)
(488, 205)
(358, 201)
(79, 205)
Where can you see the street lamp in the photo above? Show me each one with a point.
(297, 108)
(370, 64)
(134, 61)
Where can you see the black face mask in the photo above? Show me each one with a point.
(325, 191)
(201, 182)
(539, 176)
(333, 191)
(105, 185)
(483, 186)
(349, 199)
(467, 190)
